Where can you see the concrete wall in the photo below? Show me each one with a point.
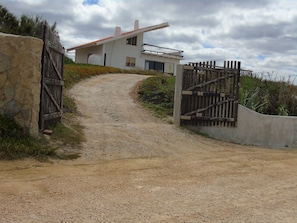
(20, 76)
(256, 129)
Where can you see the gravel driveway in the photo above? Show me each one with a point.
(136, 168)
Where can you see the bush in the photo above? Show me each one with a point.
(68, 60)
(268, 96)
(15, 144)
(157, 93)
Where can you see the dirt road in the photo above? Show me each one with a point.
(136, 168)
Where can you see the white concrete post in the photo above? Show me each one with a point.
(178, 94)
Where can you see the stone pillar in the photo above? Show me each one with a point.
(20, 76)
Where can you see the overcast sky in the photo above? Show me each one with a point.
(262, 34)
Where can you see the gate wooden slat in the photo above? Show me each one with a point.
(208, 83)
(53, 82)
(210, 94)
(53, 62)
(211, 105)
(51, 116)
(47, 90)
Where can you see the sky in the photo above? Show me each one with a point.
(262, 34)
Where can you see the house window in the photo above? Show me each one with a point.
(154, 65)
(132, 41)
(130, 61)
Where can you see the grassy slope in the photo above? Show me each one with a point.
(157, 93)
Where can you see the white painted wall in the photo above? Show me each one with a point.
(169, 68)
(117, 51)
(82, 55)
(94, 59)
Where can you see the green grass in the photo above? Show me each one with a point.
(73, 73)
(15, 144)
(69, 105)
(157, 94)
(68, 135)
(268, 96)
(72, 135)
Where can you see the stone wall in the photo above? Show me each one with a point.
(20, 76)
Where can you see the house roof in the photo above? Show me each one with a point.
(122, 35)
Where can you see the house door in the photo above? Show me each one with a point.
(154, 65)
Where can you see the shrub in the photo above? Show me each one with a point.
(158, 94)
(15, 144)
(268, 96)
(68, 60)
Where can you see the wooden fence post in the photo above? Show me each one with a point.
(178, 94)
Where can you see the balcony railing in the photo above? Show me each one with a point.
(162, 51)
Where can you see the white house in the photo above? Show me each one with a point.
(127, 51)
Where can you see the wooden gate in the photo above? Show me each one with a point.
(209, 94)
(52, 81)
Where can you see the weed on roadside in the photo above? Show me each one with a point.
(15, 144)
(157, 94)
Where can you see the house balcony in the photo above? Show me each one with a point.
(162, 51)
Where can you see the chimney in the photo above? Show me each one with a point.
(117, 31)
(136, 24)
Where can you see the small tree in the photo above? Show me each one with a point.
(8, 22)
(26, 25)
